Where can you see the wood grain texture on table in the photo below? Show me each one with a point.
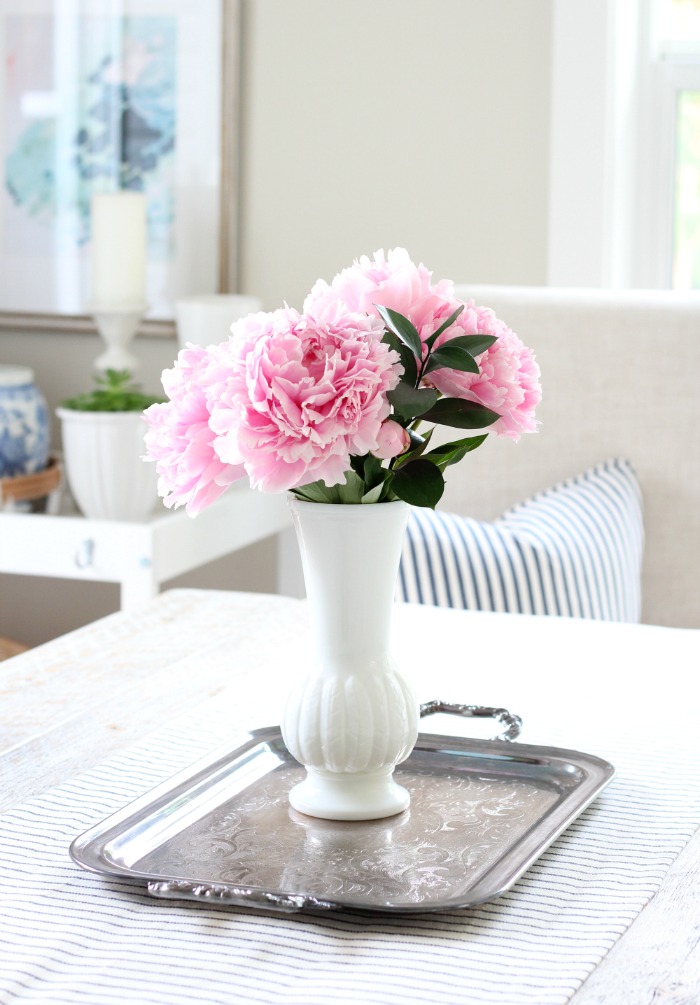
(73, 703)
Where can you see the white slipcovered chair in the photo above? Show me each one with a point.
(621, 379)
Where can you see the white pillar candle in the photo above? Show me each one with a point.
(118, 249)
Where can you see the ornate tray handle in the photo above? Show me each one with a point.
(236, 896)
(513, 723)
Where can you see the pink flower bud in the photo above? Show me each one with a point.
(392, 440)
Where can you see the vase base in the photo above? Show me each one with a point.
(340, 795)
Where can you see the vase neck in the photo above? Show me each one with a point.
(350, 555)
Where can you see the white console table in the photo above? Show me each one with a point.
(138, 556)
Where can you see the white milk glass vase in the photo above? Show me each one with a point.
(354, 716)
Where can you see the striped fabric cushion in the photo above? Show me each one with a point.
(573, 550)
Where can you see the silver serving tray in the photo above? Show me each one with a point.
(222, 831)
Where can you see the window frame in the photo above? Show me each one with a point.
(611, 207)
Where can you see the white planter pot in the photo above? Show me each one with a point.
(354, 717)
(103, 454)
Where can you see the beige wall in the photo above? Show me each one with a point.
(365, 124)
(374, 123)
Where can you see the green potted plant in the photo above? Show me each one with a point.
(102, 432)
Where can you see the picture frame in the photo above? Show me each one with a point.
(185, 157)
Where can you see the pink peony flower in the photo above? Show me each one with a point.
(290, 398)
(392, 440)
(305, 392)
(390, 280)
(508, 380)
(179, 438)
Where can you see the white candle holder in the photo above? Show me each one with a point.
(117, 326)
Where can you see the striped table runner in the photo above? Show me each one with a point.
(70, 936)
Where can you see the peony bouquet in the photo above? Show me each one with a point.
(338, 403)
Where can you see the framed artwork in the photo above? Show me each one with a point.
(108, 95)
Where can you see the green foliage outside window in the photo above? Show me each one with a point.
(686, 250)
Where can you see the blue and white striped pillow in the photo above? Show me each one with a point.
(574, 550)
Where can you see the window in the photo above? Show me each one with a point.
(625, 144)
(677, 44)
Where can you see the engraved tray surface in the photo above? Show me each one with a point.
(222, 831)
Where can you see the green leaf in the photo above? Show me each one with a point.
(402, 328)
(419, 442)
(350, 493)
(452, 356)
(460, 413)
(418, 446)
(353, 489)
(373, 472)
(419, 483)
(451, 453)
(374, 495)
(357, 464)
(408, 360)
(409, 401)
(474, 344)
(315, 492)
(388, 494)
(115, 392)
(430, 342)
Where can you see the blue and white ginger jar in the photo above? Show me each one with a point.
(24, 423)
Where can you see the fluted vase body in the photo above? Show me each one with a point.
(354, 717)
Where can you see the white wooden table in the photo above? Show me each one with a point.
(92, 694)
(140, 556)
